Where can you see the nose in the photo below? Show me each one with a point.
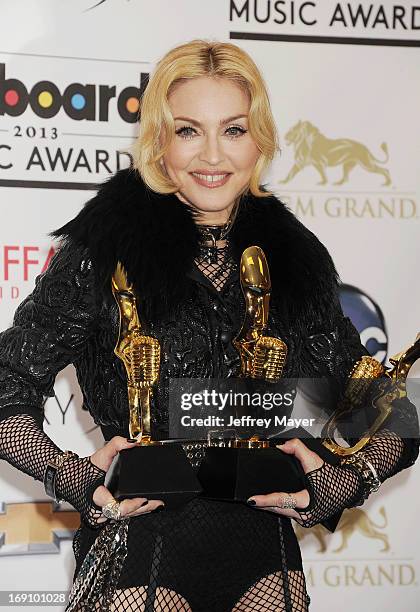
(212, 151)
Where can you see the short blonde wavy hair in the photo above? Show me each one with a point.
(199, 58)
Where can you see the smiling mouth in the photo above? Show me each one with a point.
(211, 180)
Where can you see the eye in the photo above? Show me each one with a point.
(237, 131)
(185, 131)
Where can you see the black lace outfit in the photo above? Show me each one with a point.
(207, 556)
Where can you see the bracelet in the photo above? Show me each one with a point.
(366, 470)
(50, 473)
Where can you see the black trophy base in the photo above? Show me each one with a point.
(155, 472)
(235, 474)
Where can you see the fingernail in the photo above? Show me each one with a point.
(251, 502)
(131, 439)
(160, 508)
(144, 503)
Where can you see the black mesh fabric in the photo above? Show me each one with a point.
(219, 272)
(26, 446)
(332, 488)
(208, 556)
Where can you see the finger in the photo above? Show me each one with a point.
(279, 499)
(288, 512)
(151, 506)
(128, 506)
(309, 459)
(104, 456)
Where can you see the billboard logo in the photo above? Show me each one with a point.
(88, 102)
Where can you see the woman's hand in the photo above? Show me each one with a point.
(329, 488)
(274, 501)
(103, 458)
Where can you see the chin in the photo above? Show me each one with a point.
(208, 201)
(207, 206)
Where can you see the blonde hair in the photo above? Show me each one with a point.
(196, 59)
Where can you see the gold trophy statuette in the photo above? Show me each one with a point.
(393, 387)
(140, 355)
(154, 469)
(262, 357)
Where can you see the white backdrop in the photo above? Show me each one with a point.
(335, 70)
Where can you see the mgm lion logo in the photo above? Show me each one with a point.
(313, 149)
(356, 520)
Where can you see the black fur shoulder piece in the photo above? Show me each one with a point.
(156, 239)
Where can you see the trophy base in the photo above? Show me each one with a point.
(160, 471)
(235, 474)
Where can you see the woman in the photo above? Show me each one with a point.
(206, 136)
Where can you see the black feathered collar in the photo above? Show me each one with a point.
(156, 239)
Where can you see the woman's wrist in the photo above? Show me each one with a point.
(369, 481)
(331, 488)
(76, 482)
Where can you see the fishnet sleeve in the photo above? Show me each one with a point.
(393, 448)
(50, 329)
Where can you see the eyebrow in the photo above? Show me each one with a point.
(221, 122)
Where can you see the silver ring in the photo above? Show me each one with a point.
(112, 510)
(289, 502)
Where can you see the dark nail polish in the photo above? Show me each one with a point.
(131, 439)
(251, 502)
(144, 503)
(160, 508)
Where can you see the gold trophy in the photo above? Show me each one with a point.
(392, 386)
(154, 469)
(141, 357)
(262, 357)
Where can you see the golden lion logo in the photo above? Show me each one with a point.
(313, 149)
(356, 520)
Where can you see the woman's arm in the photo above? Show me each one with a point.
(393, 448)
(332, 488)
(50, 330)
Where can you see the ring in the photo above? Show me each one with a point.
(112, 510)
(289, 502)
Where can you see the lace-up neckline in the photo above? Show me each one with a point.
(217, 273)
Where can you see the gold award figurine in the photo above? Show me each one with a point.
(140, 355)
(392, 387)
(154, 469)
(262, 357)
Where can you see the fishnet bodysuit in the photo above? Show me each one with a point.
(207, 556)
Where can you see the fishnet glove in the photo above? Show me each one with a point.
(333, 488)
(27, 447)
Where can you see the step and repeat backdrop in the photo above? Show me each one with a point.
(344, 83)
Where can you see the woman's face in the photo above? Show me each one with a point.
(212, 155)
